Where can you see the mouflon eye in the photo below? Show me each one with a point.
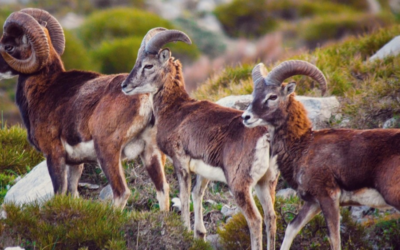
(148, 66)
(9, 48)
(273, 97)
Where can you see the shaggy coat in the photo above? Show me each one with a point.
(329, 168)
(208, 140)
(74, 117)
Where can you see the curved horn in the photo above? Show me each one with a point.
(147, 38)
(295, 67)
(53, 26)
(36, 37)
(155, 43)
(259, 72)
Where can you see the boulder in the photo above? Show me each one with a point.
(286, 193)
(35, 186)
(320, 109)
(392, 48)
(106, 193)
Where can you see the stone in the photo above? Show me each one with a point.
(392, 48)
(176, 203)
(214, 241)
(14, 248)
(35, 186)
(106, 194)
(286, 193)
(88, 185)
(391, 123)
(320, 110)
(228, 211)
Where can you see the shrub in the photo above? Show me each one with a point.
(76, 55)
(236, 235)
(320, 29)
(209, 43)
(16, 154)
(119, 55)
(257, 17)
(114, 36)
(115, 23)
(67, 223)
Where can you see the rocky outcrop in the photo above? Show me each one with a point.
(321, 110)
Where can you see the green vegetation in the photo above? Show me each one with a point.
(17, 156)
(113, 42)
(105, 26)
(368, 89)
(67, 223)
(257, 17)
(384, 234)
(76, 55)
(316, 30)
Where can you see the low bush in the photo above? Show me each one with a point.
(76, 55)
(106, 25)
(257, 17)
(67, 223)
(119, 55)
(236, 235)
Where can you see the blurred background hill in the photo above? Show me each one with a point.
(104, 35)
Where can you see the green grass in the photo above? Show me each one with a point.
(67, 223)
(382, 233)
(17, 156)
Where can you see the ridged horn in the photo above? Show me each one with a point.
(162, 38)
(259, 72)
(36, 37)
(295, 67)
(147, 38)
(53, 26)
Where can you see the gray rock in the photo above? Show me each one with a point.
(358, 212)
(320, 109)
(391, 123)
(35, 186)
(286, 193)
(106, 193)
(214, 241)
(392, 48)
(88, 185)
(228, 211)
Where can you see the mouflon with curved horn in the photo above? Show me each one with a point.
(329, 168)
(75, 117)
(204, 138)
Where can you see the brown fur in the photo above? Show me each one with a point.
(72, 107)
(189, 130)
(324, 165)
